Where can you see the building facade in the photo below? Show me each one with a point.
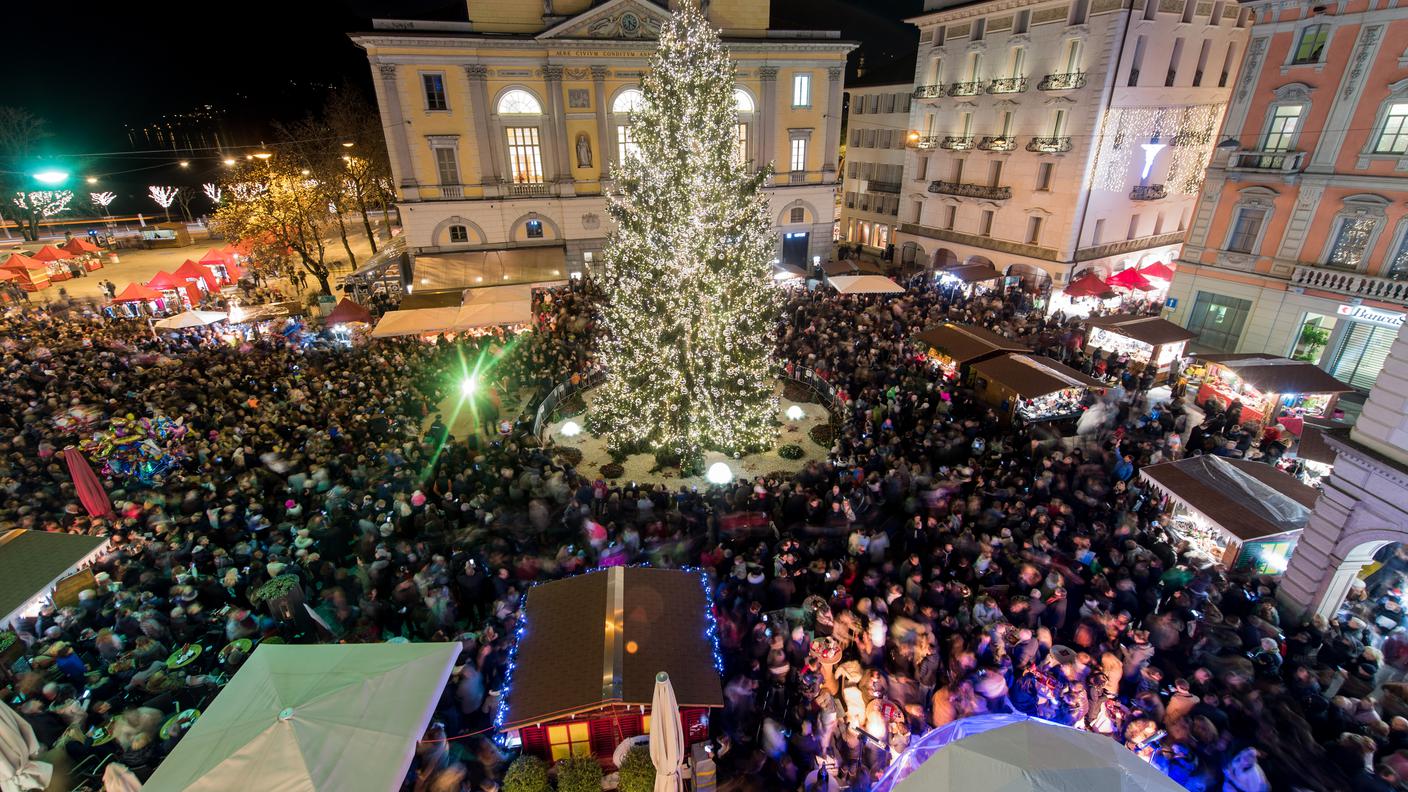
(877, 121)
(503, 129)
(1300, 244)
(1053, 136)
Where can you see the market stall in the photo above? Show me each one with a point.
(346, 311)
(57, 261)
(34, 275)
(1266, 386)
(1145, 340)
(1085, 293)
(131, 301)
(188, 319)
(1158, 271)
(954, 348)
(1237, 513)
(967, 278)
(1313, 458)
(176, 294)
(1132, 280)
(200, 277)
(32, 563)
(1032, 388)
(88, 253)
(223, 265)
(864, 284)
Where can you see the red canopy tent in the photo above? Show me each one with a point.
(165, 281)
(79, 245)
(35, 273)
(51, 253)
(215, 256)
(6, 274)
(1088, 284)
(348, 311)
(192, 272)
(136, 292)
(1130, 279)
(1158, 270)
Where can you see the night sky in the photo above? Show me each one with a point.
(98, 67)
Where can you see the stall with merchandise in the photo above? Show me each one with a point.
(1266, 386)
(34, 275)
(953, 348)
(89, 254)
(1145, 340)
(1240, 514)
(57, 261)
(968, 278)
(1032, 388)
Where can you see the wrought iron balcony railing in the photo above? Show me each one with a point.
(1148, 192)
(955, 143)
(924, 141)
(998, 143)
(966, 88)
(929, 91)
(1049, 145)
(882, 186)
(1062, 82)
(963, 190)
(1273, 161)
(526, 189)
(1006, 85)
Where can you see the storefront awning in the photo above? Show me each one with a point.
(1271, 374)
(966, 343)
(864, 284)
(972, 273)
(415, 322)
(1151, 330)
(1245, 500)
(1030, 376)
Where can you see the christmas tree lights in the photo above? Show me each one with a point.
(212, 191)
(692, 307)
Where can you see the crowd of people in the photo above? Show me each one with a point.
(941, 562)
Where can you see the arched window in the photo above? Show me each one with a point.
(628, 101)
(519, 102)
(742, 100)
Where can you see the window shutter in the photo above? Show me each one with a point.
(604, 736)
(535, 741)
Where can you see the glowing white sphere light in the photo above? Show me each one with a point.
(795, 413)
(718, 473)
(571, 429)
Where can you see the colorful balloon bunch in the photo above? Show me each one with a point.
(144, 449)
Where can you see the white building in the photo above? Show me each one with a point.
(502, 129)
(877, 121)
(1050, 136)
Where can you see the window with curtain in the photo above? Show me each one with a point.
(525, 155)
(435, 91)
(1398, 265)
(1351, 242)
(446, 166)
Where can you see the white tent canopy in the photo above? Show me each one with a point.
(864, 284)
(489, 306)
(20, 770)
(313, 718)
(1014, 753)
(417, 321)
(187, 319)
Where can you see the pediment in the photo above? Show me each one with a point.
(628, 20)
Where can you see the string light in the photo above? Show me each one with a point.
(45, 203)
(212, 191)
(102, 198)
(164, 196)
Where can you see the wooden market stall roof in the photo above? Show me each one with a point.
(1151, 330)
(1197, 484)
(598, 639)
(1272, 374)
(972, 273)
(31, 562)
(965, 343)
(1030, 376)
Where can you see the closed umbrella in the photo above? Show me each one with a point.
(666, 735)
(85, 481)
(19, 772)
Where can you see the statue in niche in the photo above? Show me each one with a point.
(584, 151)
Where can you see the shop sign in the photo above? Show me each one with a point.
(1363, 313)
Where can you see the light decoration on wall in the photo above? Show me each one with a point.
(1189, 131)
(1151, 153)
(692, 307)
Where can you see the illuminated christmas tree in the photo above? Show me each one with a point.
(692, 306)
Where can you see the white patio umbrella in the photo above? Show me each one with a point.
(666, 735)
(187, 319)
(19, 772)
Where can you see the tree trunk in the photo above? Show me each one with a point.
(386, 217)
(323, 282)
(346, 245)
(366, 222)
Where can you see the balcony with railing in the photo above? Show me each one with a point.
(924, 141)
(1007, 85)
(882, 186)
(451, 191)
(956, 143)
(1267, 161)
(934, 91)
(527, 189)
(1067, 81)
(963, 190)
(966, 88)
(797, 177)
(1148, 192)
(1049, 145)
(1355, 284)
(998, 143)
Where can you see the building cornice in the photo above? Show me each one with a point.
(1347, 447)
(644, 46)
(983, 9)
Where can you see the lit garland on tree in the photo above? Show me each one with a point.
(692, 306)
(212, 191)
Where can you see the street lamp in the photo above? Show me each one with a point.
(229, 161)
(52, 178)
(92, 179)
(348, 144)
(185, 163)
(263, 155)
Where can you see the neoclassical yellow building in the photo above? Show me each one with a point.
(502, 129)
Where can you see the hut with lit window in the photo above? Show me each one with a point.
(582, 673)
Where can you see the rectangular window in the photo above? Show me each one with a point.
(1351, 242)
(1006, 123)
(434, 84)
(965, 124)
(957, 170)
(950, 217)
(1227, 64)
(446, 167)
(1133, 227)
(569, 739)
(740, 142)
(918, 212)
(985, 223)
(1023, 23)
(1172, 76)
(1073, 54)
(975, 64)
(802, 89)
(1034, 230)
(525, 155)
(1098, 234)
(1281, 132)
(1393, 132)
(1398, 265)
(995, 173)
(980, 29)
(1043, 176)
(922, 171)
(1058, 123)
(1203, 54)
(1080, 10)
(1137, 60)
(1218, 320)
(1310, 47)
(799, 155)
(1151, 9)
(1246, 229)
(1158, 223)
(626, 145)
(1018, 62)
(1362, 354)
(459, 234)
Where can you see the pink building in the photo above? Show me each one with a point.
(1300, 243)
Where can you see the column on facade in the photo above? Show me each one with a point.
(767, 115)
(833, 124)
(1302, 214)
(394, 121)
(562, 169)
(603, 154)
(479, 107)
